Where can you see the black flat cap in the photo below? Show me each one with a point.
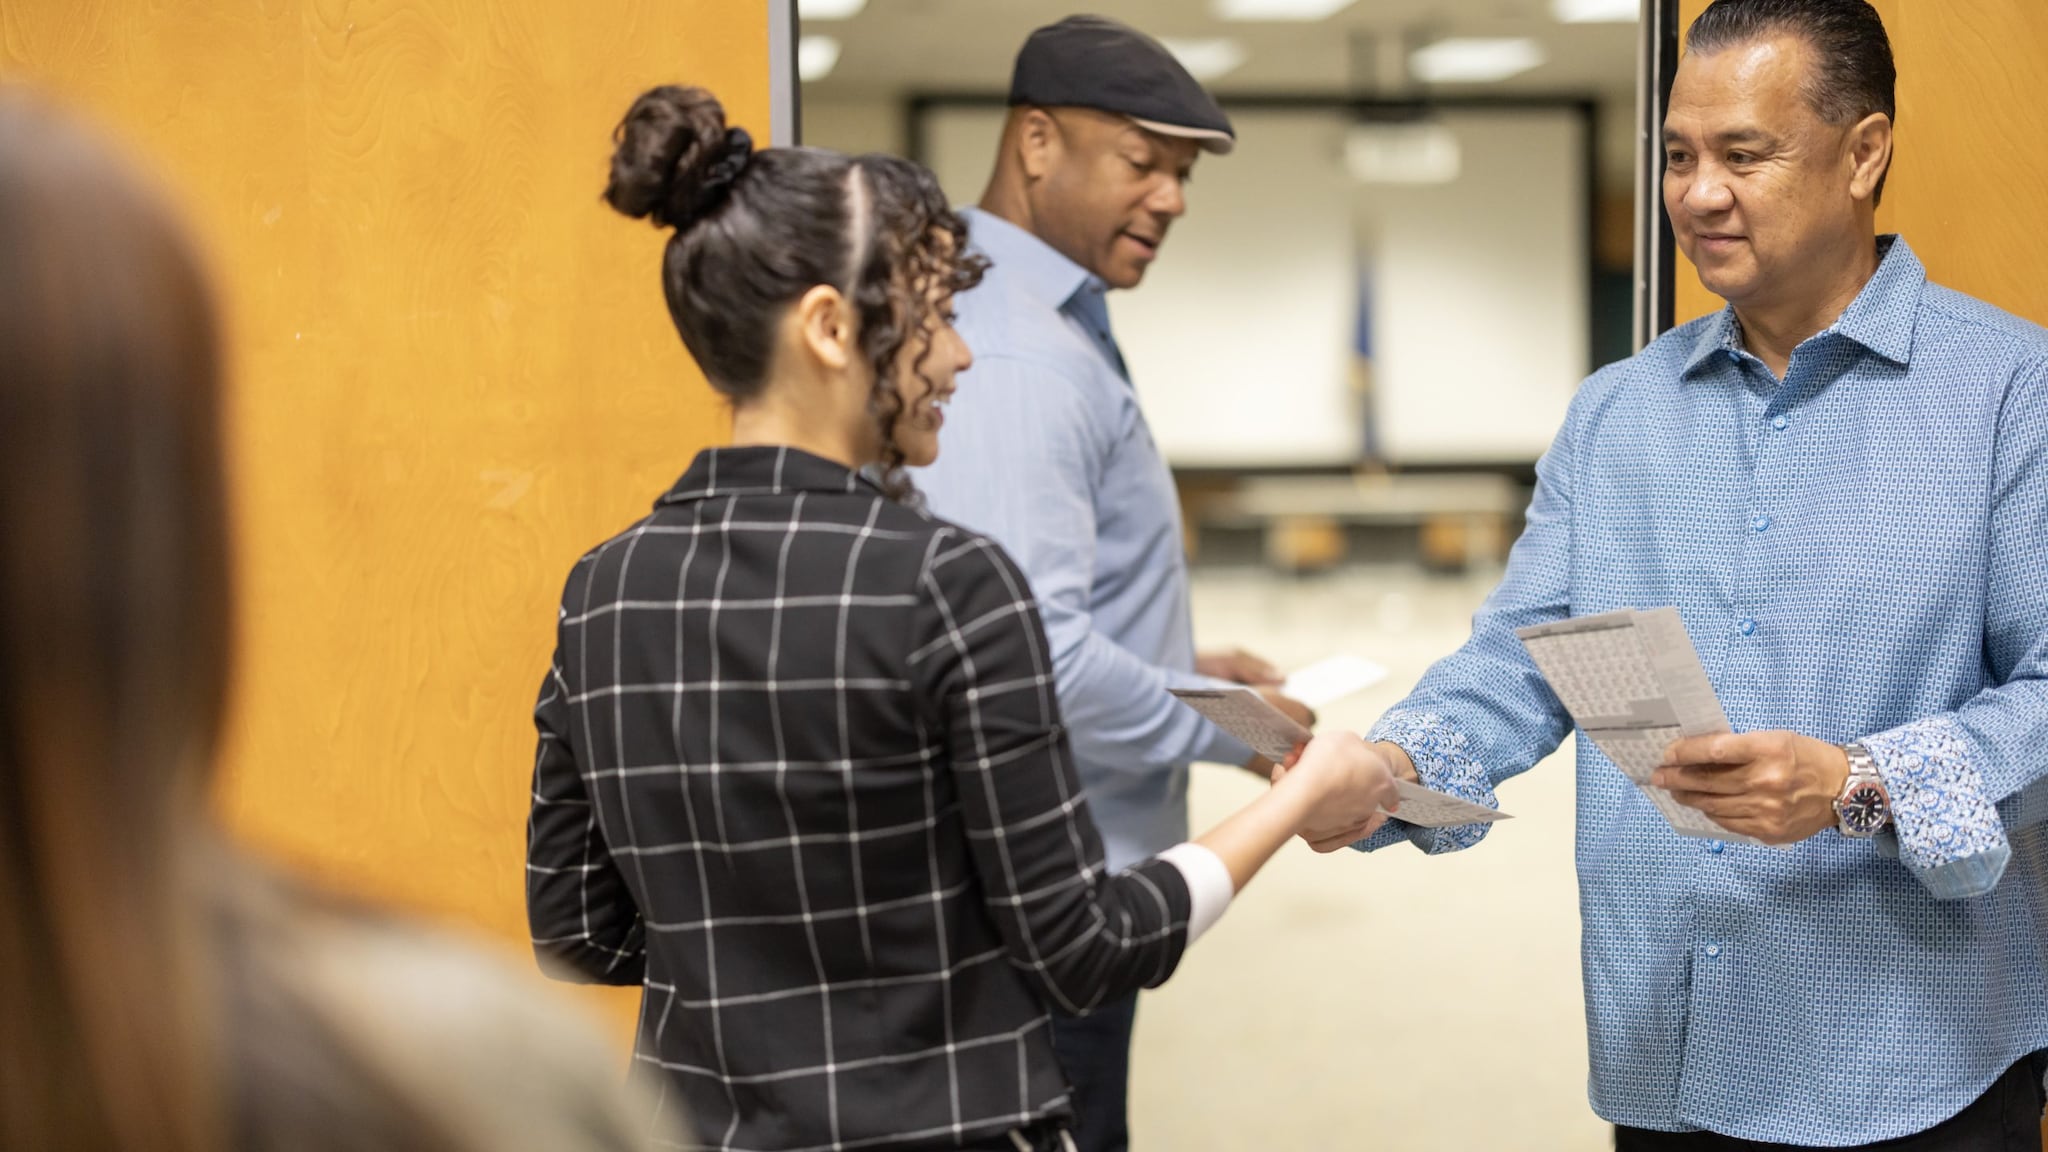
(1096, 62)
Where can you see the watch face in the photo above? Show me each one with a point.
(1863, 810)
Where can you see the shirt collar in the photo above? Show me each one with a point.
(770, 470)
(1719, 334)
(1881, 318)
(1036, 268)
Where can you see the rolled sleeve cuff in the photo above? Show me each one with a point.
(1210, 888)
(1443, 765)
(1948, 830)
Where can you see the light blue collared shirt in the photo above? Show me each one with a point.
(1046, 450)
(1860, 552)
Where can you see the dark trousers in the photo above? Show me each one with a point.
(2007, 1118)
(1095, 1053)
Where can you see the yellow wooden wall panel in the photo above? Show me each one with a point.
(1690, 299)
(1967, 189)
(452, 372)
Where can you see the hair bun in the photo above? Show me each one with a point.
(686, 207)
(675, 160)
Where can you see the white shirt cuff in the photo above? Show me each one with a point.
(1209, 885)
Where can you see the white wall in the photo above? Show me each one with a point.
(1480, 289)
(1240, 339)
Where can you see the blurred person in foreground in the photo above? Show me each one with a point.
(1841, 482)
(1050, 453)
(802, 773)
(159, 992)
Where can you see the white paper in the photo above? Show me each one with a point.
(1633, 683)
(1332, 679)
(1429, 809)
(1245, 714)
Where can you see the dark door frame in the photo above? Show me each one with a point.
(1656, 61)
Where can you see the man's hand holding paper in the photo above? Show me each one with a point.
(1778, 787)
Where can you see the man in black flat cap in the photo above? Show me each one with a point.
(1047, 451)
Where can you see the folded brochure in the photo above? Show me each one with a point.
(1633, 683)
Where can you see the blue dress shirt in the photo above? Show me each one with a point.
(1046, 450)
(1859, 551)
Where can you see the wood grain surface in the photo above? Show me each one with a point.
(452, 373)
(1969, 179)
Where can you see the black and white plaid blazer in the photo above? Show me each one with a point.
(801, 774)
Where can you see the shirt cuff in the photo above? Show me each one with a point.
(1443, 765)
(1209, 886)
(1949, 832)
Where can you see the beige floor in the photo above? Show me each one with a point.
(1390, 1002)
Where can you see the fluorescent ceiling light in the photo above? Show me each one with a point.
(1206, 59)
(1423, 153)
(1474, 60)
(1597, 11)
(1303, 10)
(815, 56)
(829, 9)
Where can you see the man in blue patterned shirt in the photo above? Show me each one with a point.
(1841, 481)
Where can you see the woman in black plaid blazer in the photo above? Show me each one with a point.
(801, 773)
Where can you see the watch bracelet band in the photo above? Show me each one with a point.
(1862, 766)
(1862, 770)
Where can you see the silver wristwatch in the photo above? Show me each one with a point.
(1864, 807)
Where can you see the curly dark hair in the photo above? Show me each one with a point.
(754, 231)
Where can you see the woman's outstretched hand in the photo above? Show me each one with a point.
(1353, 783)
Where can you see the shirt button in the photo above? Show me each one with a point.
(1713, 951)
(1716, 847)
(1762, 524)
(1779, 422)
(1747, 626)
